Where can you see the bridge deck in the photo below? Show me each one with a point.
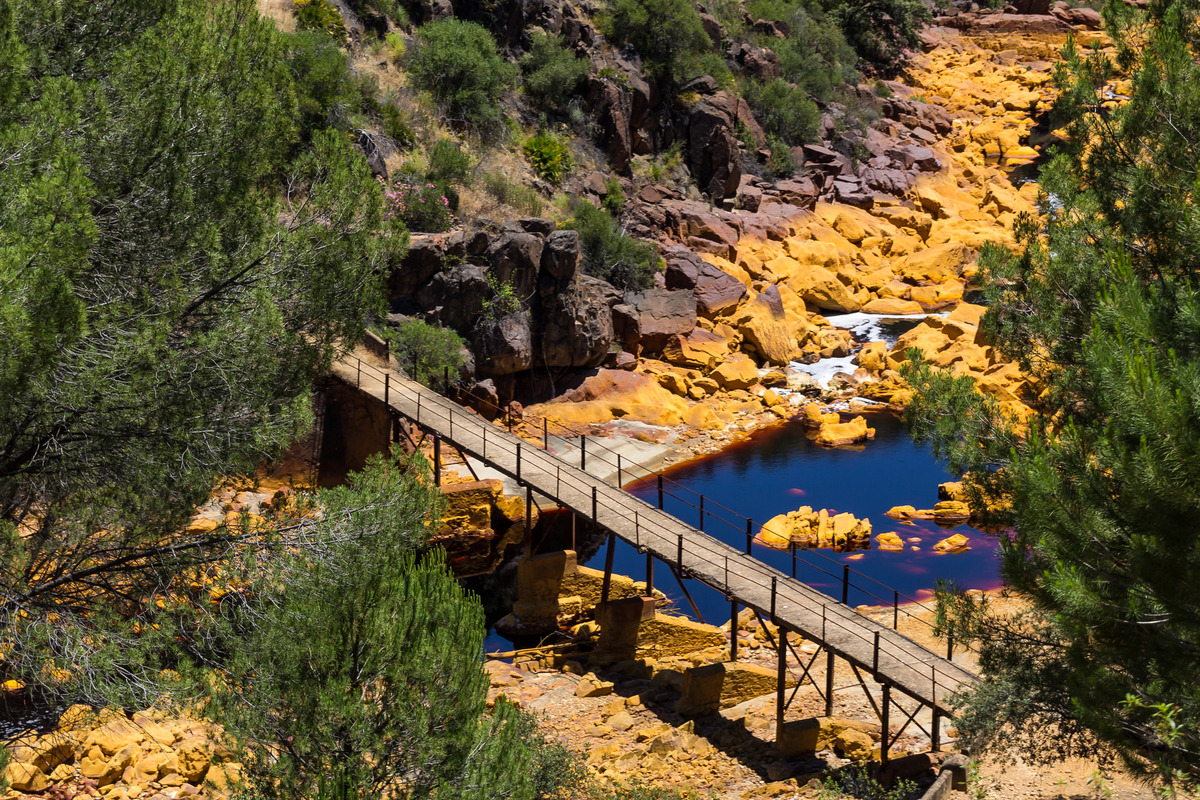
(891, 657)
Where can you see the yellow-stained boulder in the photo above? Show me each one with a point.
(25, 777)
(762, 324)
(736, 372)
(892, 305)
(873, 356)
(952, 544)
(844, 433)
(700, 349)
(890, 541)
(940, 263)
(814, 417)
(615, 394)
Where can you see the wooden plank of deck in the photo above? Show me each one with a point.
(889, 655)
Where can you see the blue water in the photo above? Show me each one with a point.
(779, 469)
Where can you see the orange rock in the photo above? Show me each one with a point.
(892, 305)
(952, 544)
(843, 433)
(736, 372)
(890, 541)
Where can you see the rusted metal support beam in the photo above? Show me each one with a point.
(733, 629)
(780, 685)
(686, 593)
(608, 566)
(885, 738)
(828, 682)
(528, 521)
(437, 460)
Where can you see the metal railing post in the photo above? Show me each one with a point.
(519, 463)
(875, 656)
(949, 646)
(545, 434)
(845, 584)
(702, 513)
(895, 610)
(774, 587)
(733, 622)
(437, 460)
(619, 481)
(593, 504)
(749, 534)
(793, 561)
(679, 554)
(660, 491)
(583, 452)
(387, 380)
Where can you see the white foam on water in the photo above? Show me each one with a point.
(826, 368)
(868, 326)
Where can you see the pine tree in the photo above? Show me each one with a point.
(1100, 307)
(359, 675)
(175, 269)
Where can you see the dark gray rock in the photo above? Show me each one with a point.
(715, 291)
(576, 327)
(503, 346)
(515, 258)
(454, 298)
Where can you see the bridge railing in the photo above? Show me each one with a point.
(697, 556)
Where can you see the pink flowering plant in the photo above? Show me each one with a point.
(421, 207)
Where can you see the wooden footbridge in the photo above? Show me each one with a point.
(895, 662)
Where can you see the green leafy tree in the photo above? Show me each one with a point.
(666, 33)
(1099, 306)
(552, 73)
(610, 253)
(426, 351)
(361, 672)
(882, 30)
(784, 111)
(457, 62)
(164, 308)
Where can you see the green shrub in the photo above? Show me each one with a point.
(448, 163)
(394, 44)
(421, 207)
(550, 157)
(855, 783)
(783, 111)
(711, 64)
(780, 162)
(524, 199)
(881, 30)
(552, 73)
(324, 87)
(614, 199)
(320, 15)
(458, 64)
(504, 300)
(609, 253)
(815, 56)
(666, 33)
(425, 351)
(395, 125)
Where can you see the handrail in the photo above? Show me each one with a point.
(714, 550)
